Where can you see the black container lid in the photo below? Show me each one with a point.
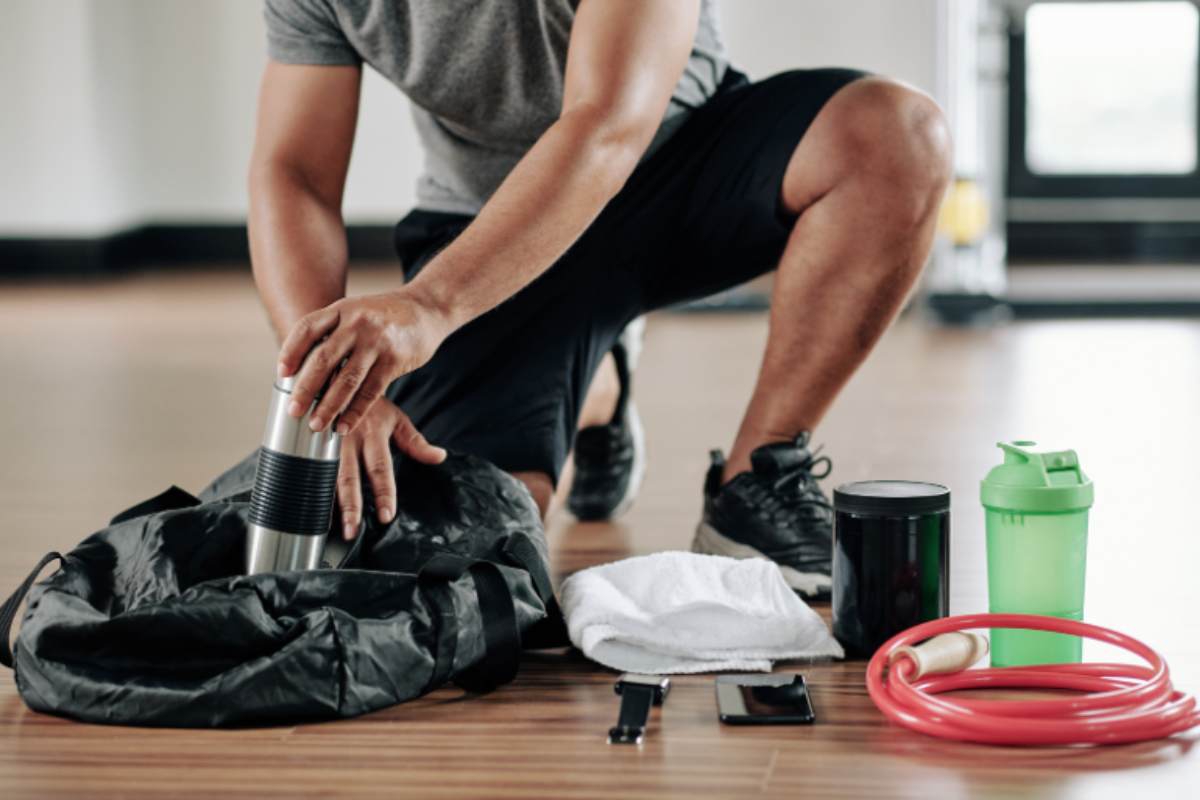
(891, 498)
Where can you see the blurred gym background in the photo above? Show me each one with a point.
(126, 127)
(1076, 127)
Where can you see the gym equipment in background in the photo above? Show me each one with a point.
(294, 489)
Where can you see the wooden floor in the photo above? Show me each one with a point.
(114, 390)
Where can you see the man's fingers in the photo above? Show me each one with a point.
(378, 461)
(349, 489)
(304, 334)
(410, 441)
(318, 365)
(342, 388)
(372, 388)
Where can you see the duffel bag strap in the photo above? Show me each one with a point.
(171, 499)
(501, 636)
(433, 581)
(8, 611)
(551, 631)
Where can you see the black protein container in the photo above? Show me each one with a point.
(891, 559)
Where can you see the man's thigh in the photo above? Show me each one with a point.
(700, 215)
(704, 212)
(509, 385)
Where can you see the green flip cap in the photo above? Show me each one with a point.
(1038, 483)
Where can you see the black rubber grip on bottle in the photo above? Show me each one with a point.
(293, 494)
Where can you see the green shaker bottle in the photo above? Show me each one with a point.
(1036, 506)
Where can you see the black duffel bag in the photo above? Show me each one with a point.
(150, 621)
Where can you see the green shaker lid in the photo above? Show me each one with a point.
(1037, 482)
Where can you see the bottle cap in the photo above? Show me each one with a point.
(891, 498)
(1047, 482)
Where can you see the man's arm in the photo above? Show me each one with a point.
(305, 130)
(306, 121)
(624, 60)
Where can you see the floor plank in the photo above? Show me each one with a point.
(114, 389)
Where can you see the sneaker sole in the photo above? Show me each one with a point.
(708, 540)
(631, 338)
(638, 471)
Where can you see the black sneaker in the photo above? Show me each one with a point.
(775, 511)
(610, 460)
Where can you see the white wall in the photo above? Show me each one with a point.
(54, 151)
(118, 112)
(897, 38)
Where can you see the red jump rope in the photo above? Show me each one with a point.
(1120, 702)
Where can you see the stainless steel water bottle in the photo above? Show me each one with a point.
(294, 489)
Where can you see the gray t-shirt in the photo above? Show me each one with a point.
(485, 77)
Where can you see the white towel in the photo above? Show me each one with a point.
(681, 612)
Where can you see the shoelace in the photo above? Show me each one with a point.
(796, 489)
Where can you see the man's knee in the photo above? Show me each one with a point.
(541, 488)
(897, 137)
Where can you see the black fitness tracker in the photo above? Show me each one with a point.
(638, 693)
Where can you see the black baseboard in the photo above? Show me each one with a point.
(969, 309)
(159, 247)
(1101, 309)
(1104, 242)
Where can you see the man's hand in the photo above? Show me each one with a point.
(380, 337)
(367, 448)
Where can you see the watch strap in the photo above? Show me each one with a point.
(639, 693)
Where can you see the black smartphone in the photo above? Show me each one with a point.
(777, 699)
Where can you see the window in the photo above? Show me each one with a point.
(1103, 138)
(1111, 88)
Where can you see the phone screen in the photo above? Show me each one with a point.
(764, 699)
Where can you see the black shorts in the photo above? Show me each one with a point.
(700, 215)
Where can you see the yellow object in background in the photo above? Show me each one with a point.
(964, 213)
